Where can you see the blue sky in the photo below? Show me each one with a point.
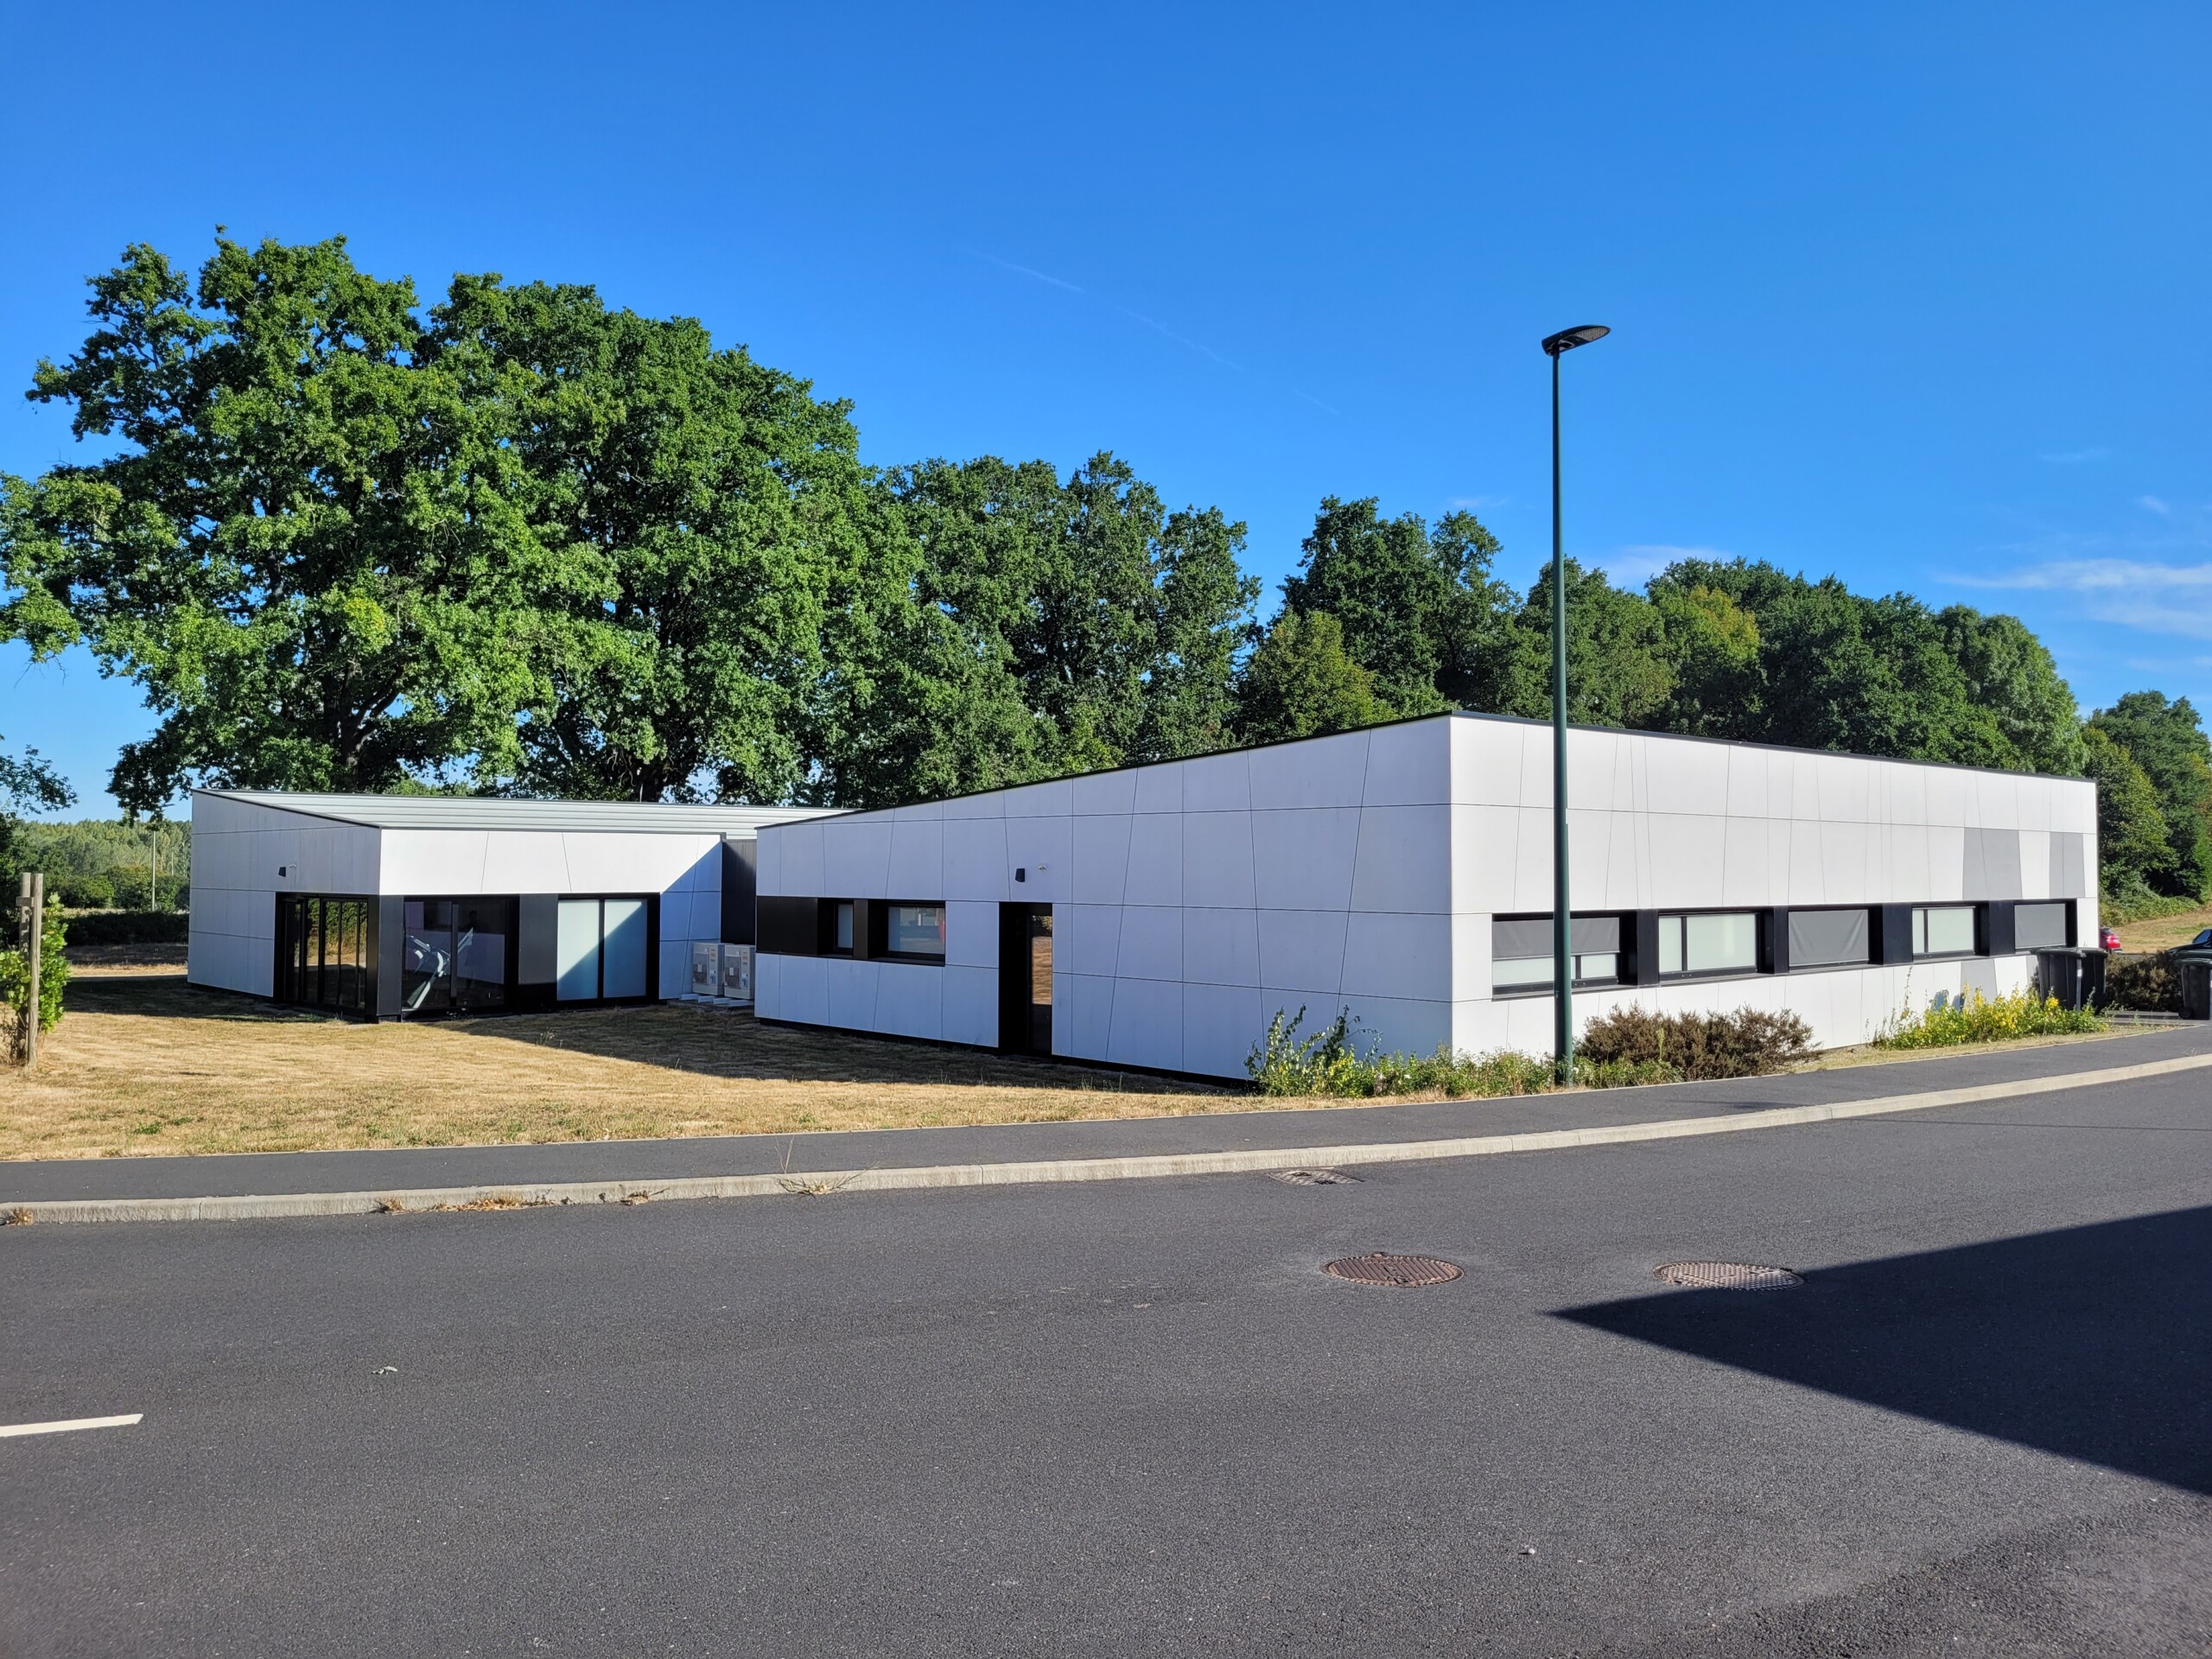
(1914, 295)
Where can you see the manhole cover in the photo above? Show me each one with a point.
(1404, 1272)
(1314, 1177)
(1725, 1275)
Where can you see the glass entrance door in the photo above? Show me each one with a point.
(458, 955)
(322, 952)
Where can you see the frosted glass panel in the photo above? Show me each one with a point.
(625, 950)
(1714, 944)
(577, 951)
(1944, 932)
(2037, 927)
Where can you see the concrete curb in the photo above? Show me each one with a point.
(247, 1207)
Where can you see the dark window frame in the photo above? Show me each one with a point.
(1978, 950)
(879, 942)
(652, 992)
(1625, 954)
(1785, 959)
(1762, 943)
(825, 928)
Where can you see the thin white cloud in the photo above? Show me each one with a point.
(2154, 505)
(2075, 457)
(1025, 270)
(1183, 340)
(1641, 561)
(1478, 503)
(2151, 598)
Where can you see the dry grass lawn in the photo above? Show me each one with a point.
(149, 1066)
(2165, 932)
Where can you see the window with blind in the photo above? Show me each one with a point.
(1521, 951)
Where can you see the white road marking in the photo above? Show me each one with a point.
(68, 1424)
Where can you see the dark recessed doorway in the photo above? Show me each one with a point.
(1026, 979)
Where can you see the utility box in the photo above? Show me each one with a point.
(736, 972)
(706, 969)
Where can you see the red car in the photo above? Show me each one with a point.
(2108, 938)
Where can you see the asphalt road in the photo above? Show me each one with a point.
(1135, 1418)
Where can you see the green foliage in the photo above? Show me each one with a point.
(53, 972)
(130, 927)
(2141, 904)
(1710, 647)
(1699, 1047)
(1102, 628)
(1328, 1064)
(305, 547)
(1617, 667)
(1300, 682)
(28, 784)
(1418, 607)
(1948, 1021)
(692, 517)
(522, 542)
(2010, 674)
(95, 863)
(2166, 741)
(2132, 850)
(1764, 657)
(1325, 1063)
(2151, 983)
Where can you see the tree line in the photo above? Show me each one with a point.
(520, 542)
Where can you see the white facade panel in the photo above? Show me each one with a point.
(1196, 898)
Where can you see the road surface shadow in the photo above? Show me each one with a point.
(2093, 1343)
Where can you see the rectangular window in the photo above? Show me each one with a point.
(577, 951)
(2038, 927)
(1521, 951)
(622, 949)
(915, 930)
(1721, 942)
(1942, 930)
(1829, 938)
(601, 949)
(841, 927)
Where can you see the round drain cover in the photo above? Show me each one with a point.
(1725, 1275)
(1403, 1272)
(1314, 1177)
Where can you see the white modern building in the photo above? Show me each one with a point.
(1160, 916)
(393, 906)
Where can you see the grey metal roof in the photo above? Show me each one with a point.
(486, 812)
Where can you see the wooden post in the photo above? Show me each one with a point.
(34, 914)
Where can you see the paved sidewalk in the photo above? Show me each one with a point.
(216, 1176)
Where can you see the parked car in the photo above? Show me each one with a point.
(2108, 937)
(2198, 949)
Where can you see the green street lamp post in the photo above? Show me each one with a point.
(1555, 346)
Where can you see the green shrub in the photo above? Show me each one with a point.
(2137, 903)
(1323, 1064)
(1698, 1047)
(1975, 1017)
(53, 976)
(1329, 1063)
(131, 927)
(85, 891)
(2151, 983)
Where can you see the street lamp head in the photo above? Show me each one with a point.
(1567, 339)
